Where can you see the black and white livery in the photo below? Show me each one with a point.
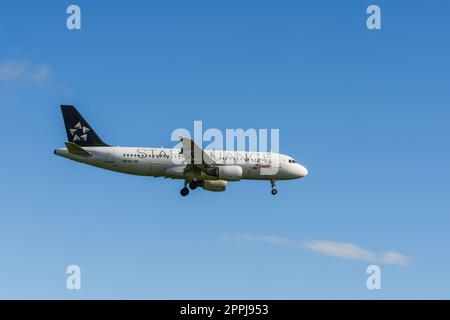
(208, 169)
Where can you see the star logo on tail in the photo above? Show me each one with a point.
(79, 132)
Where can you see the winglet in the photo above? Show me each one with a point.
(76, 149)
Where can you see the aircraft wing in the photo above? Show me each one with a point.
(195, 155)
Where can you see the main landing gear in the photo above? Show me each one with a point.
(272, 183)
(192, 185)
(185, 191)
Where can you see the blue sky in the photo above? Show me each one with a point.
(366, 112)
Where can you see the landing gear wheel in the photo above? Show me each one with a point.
(272, 183)
(184, 192)
(193, 185)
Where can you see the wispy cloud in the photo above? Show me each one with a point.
(40, 73)
(353, 251)
(329, 248)
(19, 69)
(12, 69)
(241, 238)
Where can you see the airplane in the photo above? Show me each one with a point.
(208, 169)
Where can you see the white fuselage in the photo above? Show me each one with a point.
(170, 163)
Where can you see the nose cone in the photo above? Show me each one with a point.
(295, 171)
(300, 171)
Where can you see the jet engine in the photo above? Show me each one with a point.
(214, 185)
(228, 173)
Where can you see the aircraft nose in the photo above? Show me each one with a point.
(301, 171)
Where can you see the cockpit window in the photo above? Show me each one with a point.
(291, 161)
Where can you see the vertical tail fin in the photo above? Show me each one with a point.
(78, 130)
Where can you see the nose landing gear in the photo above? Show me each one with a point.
(274, 190)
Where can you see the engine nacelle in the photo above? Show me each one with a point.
(214, 185)
(229, 173)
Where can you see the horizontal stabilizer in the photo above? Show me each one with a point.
(76, 149)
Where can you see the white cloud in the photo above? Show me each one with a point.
(12, 69)
(353, 251)
(395, 258)
(341, 250)
(329, 248)
(241, 238)
(17, 69)
(40, 73)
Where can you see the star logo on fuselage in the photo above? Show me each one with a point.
(79, 132)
